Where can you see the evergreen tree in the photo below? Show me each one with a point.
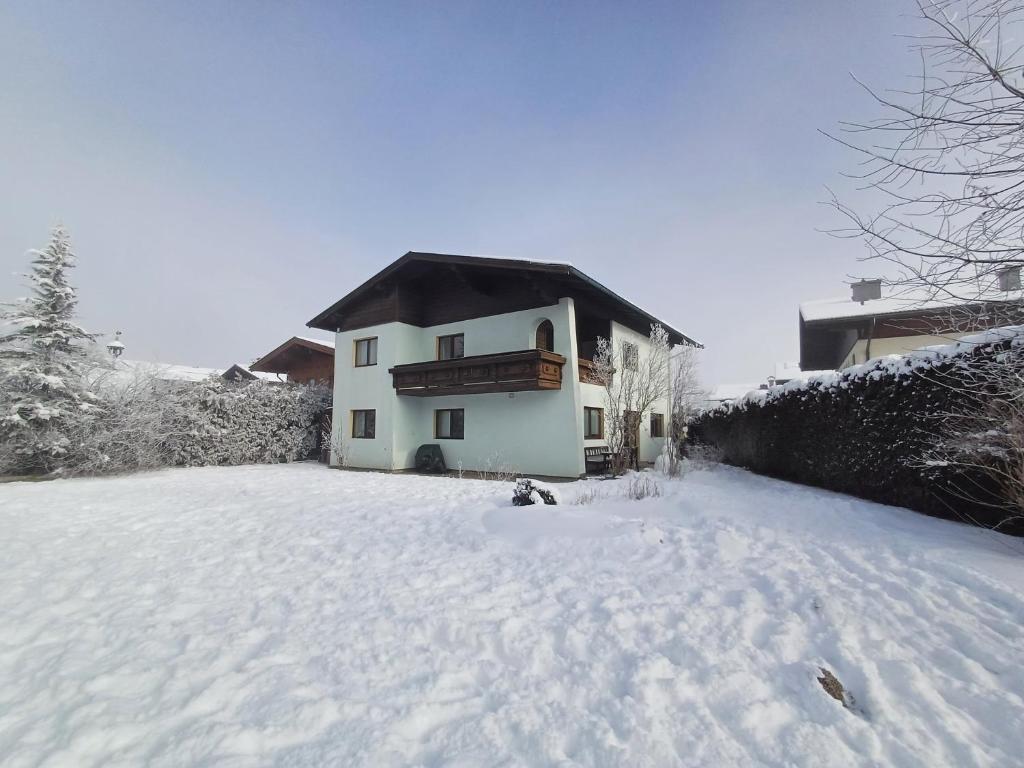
(44, 398)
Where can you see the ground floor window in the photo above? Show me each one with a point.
(364, 424)
(593, 423)
(449, 424)
(657, 425)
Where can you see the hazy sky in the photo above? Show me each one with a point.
(228, 170)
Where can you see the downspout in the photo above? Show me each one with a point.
(871, 333)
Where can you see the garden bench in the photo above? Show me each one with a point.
(597, 458)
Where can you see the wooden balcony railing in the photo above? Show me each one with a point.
(523, 371)
(587, 375)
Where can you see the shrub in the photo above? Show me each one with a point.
(865, 431)
(529, 492)
(642, 486)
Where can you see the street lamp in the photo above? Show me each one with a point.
(115, 347)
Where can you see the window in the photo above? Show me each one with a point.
(451, 347)
(449, 424)
(364, 424)
(593, 423)
(366, 352)
(657, 425)
(630, 355)
(546, 336)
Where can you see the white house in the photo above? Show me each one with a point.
(486, 357)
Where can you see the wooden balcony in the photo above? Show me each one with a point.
(523, 371)
(587, 375)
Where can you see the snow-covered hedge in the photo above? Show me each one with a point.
(144, 423)
(864, 430)
(254, 423)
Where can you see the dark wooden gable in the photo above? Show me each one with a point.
(427, 289)
(427, 294)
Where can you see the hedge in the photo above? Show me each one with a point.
(862, 432)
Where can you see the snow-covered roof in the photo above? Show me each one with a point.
(261, 375)
(787, 371)
(724, 392)
(167, 371)
(324, 342)
(845, 307)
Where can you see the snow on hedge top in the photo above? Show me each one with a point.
(845, 307)
(898, 365)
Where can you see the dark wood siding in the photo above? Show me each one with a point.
(444, 295)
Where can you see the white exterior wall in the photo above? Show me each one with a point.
(531, 432)
(650, 447)
(898, 345)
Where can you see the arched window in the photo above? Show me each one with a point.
(546, 336)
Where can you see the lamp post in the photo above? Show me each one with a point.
(115, 347)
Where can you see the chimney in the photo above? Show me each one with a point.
(865, 290)
(1009, 278)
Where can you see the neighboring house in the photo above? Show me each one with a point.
(836, 333)
(487, 357)
(302, 360)
(726, 393)
(785, 372)
(240, 373)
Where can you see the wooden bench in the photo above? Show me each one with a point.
(597, 458)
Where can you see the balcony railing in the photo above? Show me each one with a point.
(587, 374)
(523, 371)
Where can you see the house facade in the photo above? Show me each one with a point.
(837, 333)
(488, 358)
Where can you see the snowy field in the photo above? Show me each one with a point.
(296, 615)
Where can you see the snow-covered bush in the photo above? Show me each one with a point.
(529, 492)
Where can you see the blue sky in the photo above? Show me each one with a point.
(229, 170)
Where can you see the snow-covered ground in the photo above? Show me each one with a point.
(296, 615)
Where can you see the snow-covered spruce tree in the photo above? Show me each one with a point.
(44, 398)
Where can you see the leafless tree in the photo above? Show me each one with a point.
(688, 396)
(981, 436)
(947, 157)
(634, 381)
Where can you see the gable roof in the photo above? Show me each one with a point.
(275, 361)
(240, 372)
(823, 310)
(565, 278)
